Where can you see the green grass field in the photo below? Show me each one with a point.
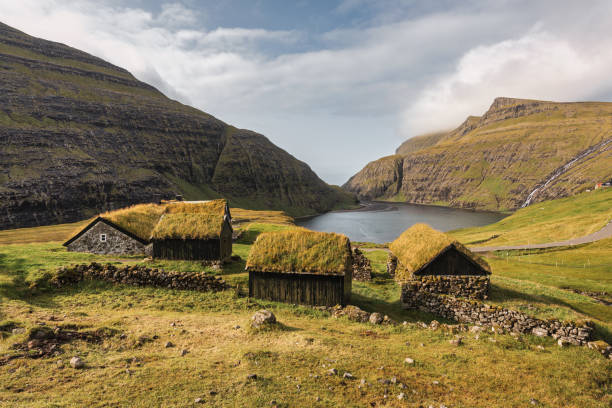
(548, 221)
(291, 363)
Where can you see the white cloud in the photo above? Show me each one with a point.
(366, 88)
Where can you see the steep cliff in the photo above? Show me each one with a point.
(496, 161)
(79, 135)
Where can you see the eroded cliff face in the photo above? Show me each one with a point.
(495, 161)
(79, 135)
(380, 179)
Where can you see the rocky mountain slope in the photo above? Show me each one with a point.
(79, 135)
(518, 149)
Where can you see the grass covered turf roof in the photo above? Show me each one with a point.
(419, 245)
(143, 219)
(188, 226)
(300, 250)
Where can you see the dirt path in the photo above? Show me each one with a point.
(605, 232)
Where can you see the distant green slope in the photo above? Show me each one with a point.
(80, 136)
(546, 221)
(495, 161)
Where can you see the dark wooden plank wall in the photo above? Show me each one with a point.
(304, 289)
(226, 241)
(452, 262)
(188, 249)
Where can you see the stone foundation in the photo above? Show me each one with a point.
(472, 287)
(470, 311)
(362, 269)
(138, 275)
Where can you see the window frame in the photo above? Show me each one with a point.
(103, 238)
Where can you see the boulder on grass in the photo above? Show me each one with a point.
(263, 318)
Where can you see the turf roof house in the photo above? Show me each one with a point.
(301, 267)
(431, 261)
(174, 230)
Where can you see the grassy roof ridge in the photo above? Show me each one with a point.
(420, 244)
(299, 250)
(182, 225)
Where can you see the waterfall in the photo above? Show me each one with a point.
(562, 170)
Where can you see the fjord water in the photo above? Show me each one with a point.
(383, 222)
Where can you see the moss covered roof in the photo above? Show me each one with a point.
(419, 245)
(138, 219)
(194, 220)
(188, 226)
(300, 251)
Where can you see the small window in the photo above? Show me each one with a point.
(102, 237)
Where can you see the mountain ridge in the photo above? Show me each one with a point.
(494, 161)
(81, 135)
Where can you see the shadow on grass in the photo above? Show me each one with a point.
(504, 294)
(18, 288)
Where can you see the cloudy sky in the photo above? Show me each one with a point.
(340, 83)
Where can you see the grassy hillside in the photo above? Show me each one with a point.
(80, 136)
(494, 161)
(292, 362)
(547, 221)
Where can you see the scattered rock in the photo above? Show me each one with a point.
(534, 401)
(539, 331)
(563, 342)
(76, 362)
(212, 392)
(348, 376)
(456, 342)
(401, 396)
(263, 318)
(409, 360)
(168, 344)
(199, 401)
(476, 329)
(332, 371)
(184, 352)
(236, 327)
(434, 325)
(252, 377)
(18, 330)
(60, 364)
(376, 318)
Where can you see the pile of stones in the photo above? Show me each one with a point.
(138, 275)
(357, 315)
(470, 311)
(468, 286)
(362, 269)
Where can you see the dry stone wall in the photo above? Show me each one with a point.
(470, 311)
(138, 275)
(468, 286)
(391, 265)
(362, 268)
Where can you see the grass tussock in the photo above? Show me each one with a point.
(419, 244)
(300, 251)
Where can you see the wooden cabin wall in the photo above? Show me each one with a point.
(188, 249)
(226, 242)
(304, 289)
(452, 262)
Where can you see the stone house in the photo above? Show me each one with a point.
(102, 236)
(170, 230)
(301, 267)
(431, 261)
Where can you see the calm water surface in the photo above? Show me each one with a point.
(383, 222)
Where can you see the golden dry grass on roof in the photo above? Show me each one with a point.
(188, 226)
(419, 244)
(300, 251)
(138, 219)
(208, 207)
